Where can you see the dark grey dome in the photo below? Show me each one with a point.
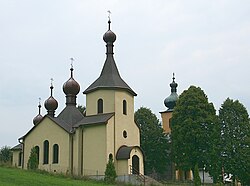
(171, 100)
(51, 103)
(71, 87)
(37, 119)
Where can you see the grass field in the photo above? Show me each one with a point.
(17, 177)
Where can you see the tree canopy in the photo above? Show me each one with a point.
(235, 137)
(193, 124)
(153, 141)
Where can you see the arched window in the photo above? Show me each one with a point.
(100, 106)
(124, 107)
(37, 153)
(20, 158)
(55, 153)
(46, 152)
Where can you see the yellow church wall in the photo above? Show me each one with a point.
(166, 116)
(122, 167)
(94, 149)
(110, 138)
(125, 122)
(15, 158)
(108, 101)
(48, 130)
(77, 148)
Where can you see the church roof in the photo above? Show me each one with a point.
(71, 115)
(123, 153)
(110, 77)
(95, 119)
(17, 147)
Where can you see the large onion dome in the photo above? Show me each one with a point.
(71, 87)
(39, 117)
(51, 104)
(170, 101)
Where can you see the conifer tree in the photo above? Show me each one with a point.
(193, 124)
(235, 148)
(33, 160)
(110, 173)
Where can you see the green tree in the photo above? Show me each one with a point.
(153, 141)
(110, 173)
(33, 160)
(193, 124)
(235, 127)
(82, 109)
(5, 154)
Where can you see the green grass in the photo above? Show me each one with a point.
(18, 177)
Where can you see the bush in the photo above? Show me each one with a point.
(33, 160)
(110, 173)
(5, 154)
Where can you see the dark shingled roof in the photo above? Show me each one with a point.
(71, 115)
(17, 147)
(95, 119)
(109, 79)
(123, 152)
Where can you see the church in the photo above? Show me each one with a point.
(77, 144)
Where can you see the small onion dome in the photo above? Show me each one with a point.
(170, 101)
(39, 117)
(109, 36)
(71, 87)
(51, 104)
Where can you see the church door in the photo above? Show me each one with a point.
(135, 164)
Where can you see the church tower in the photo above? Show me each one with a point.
(110, 95)
(170, 103)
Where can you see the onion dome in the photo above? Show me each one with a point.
(71, 88)
(51, 104)
(109, 36)
(170, 101)
(39, 117)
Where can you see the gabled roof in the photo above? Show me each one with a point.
(17, 147)
(58, 121)
(95, 119)
(70, 115)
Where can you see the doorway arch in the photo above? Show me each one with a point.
(136, 164)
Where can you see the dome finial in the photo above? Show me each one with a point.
(173, 77)
(71, 69)
(109, 12)
(39, 105)
(51, 86)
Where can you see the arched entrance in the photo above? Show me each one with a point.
(135, 164)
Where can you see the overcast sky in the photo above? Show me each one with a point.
(205, 43)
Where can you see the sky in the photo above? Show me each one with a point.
(205, 43)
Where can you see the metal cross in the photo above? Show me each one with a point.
(51, 81)
(72, 60)
(109, 14)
